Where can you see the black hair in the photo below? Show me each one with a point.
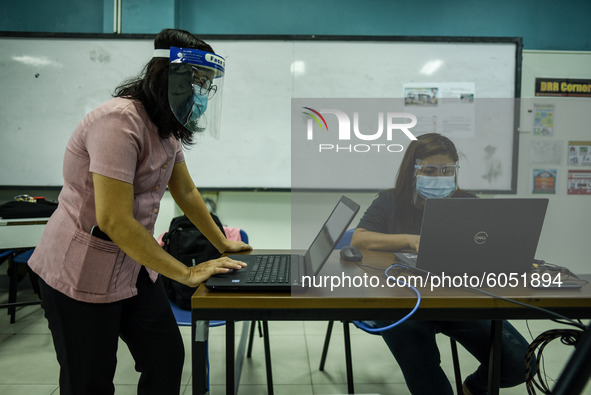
(151, 86)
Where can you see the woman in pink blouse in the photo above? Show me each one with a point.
(98, 260)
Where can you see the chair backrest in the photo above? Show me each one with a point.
(23, 257)
(4, 254)
(183, 317)
(346, 239)
(243, 236)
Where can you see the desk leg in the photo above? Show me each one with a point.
(230, 382)
(13, 278)
(348, 358)
(494, 363)
(200, 370)
(268, 364)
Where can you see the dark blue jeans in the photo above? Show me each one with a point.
(413, 345)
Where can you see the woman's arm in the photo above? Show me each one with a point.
(114, 214)
(363, 238)
(188, 198)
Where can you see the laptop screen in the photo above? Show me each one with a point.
(331, 232)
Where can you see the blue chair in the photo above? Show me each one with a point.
(243, 236)
(16, 258)
(345, 240)
(5, 254)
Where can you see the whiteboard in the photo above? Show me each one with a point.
(50, 83)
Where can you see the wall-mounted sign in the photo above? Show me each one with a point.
(563, 87)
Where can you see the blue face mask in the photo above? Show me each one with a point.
(199, 104)
(430, 187)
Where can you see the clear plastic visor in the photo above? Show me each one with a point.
(195, 84)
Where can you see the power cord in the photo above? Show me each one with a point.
(534, 378)
(567, 320)
(551, 267)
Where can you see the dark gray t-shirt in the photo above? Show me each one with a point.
(380, 216)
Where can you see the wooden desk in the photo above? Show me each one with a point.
(370, 303)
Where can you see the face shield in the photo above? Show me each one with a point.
(195, 82)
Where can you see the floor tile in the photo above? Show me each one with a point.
(25, 389)
(258, 389)
(372, 360)
(125, 373)
(25, 317)
(28, 359)
(125, 389)
(362, 389)
(319, 327)
(288, 356)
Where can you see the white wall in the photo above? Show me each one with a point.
(264, 216)
(567, 227)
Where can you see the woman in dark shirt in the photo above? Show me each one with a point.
(429, 169)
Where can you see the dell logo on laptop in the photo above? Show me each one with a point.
(480, 237)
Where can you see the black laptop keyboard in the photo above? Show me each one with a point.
(270, 269)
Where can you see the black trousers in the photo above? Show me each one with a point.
(85, 336)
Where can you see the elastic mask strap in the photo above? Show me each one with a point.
(161, 53)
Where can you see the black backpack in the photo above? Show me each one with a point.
(187, 244)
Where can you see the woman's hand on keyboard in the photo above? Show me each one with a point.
(204, 270)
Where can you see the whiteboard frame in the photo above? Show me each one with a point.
(516, 41)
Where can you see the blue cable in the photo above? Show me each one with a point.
(363, 326)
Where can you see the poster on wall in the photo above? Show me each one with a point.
(441, 107)
(544, 181)
(579, 153)
(547, 152)
(563, 87)
(544, 119)
(579, 182)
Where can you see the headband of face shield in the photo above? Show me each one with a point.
(435, 181)
(195, 82)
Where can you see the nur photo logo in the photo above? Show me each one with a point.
(388, 123)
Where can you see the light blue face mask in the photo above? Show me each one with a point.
(199, 104)
(430, 187)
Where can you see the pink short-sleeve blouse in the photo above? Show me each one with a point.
(116, 140)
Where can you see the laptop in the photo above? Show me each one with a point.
(478, 236)
(281, 272)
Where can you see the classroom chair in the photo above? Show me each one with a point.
(15, 259)
(345, 241)
(5, 254)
